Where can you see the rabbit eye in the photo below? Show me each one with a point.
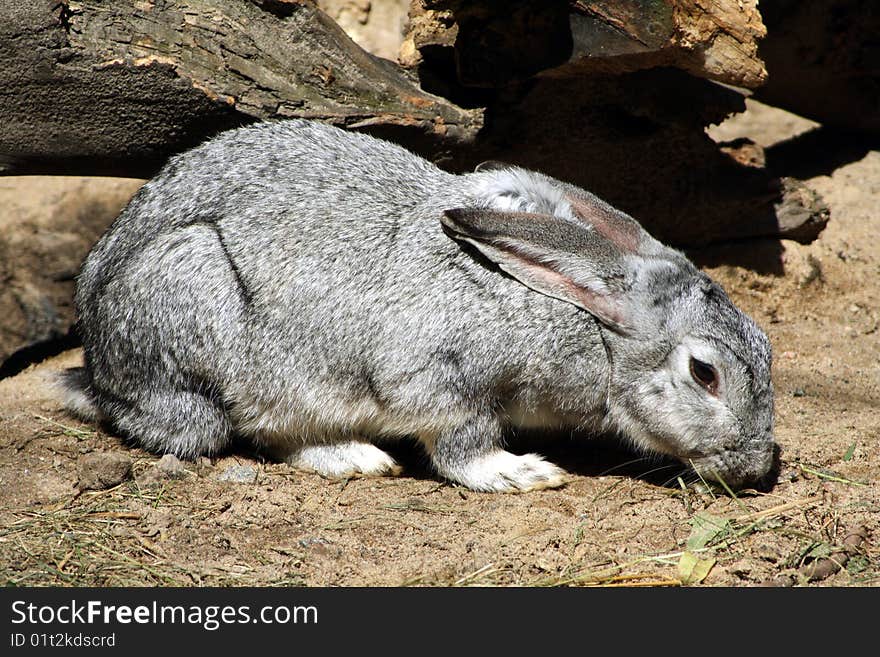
(705, 375)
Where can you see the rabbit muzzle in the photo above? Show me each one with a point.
(740, 468)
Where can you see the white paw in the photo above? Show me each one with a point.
(344, 460)
(505, 472)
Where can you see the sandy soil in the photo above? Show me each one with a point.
(621, 520)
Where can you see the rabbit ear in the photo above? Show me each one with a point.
(559, 258)
(621, 229)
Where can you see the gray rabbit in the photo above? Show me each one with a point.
(317, 291)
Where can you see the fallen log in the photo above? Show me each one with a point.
(99, 88)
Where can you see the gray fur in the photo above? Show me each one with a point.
(313, 290)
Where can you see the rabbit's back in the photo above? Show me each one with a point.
(258, 182)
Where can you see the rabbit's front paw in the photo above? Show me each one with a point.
(344, 460)
(504, 472)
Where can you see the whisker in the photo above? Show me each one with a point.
(682, 472)
(624, 464)
(659, 468)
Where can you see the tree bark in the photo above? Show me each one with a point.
(92, 87)
(496, 43)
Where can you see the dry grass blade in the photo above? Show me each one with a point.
(613, 577)
(830, 477)
(345, 523)
(777, 510)
(615, 574)
(486, 570)
(415, 504)
(658, 582)
(68, 431)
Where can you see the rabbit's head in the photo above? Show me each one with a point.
(694, 382)
(689, 373)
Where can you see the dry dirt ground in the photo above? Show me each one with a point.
(621, 520)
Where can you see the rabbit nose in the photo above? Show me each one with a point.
(768, 480)
(767, 467)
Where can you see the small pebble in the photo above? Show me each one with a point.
(798, 392)
(167, 467)
(101, 470)
(781, 580)
(240, 474)
(171, 466)
(791, 475)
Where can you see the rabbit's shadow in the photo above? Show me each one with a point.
(579, 454)
(585, 455)
(590, 455)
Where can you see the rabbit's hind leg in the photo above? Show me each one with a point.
(185, 423)
(344, 459)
